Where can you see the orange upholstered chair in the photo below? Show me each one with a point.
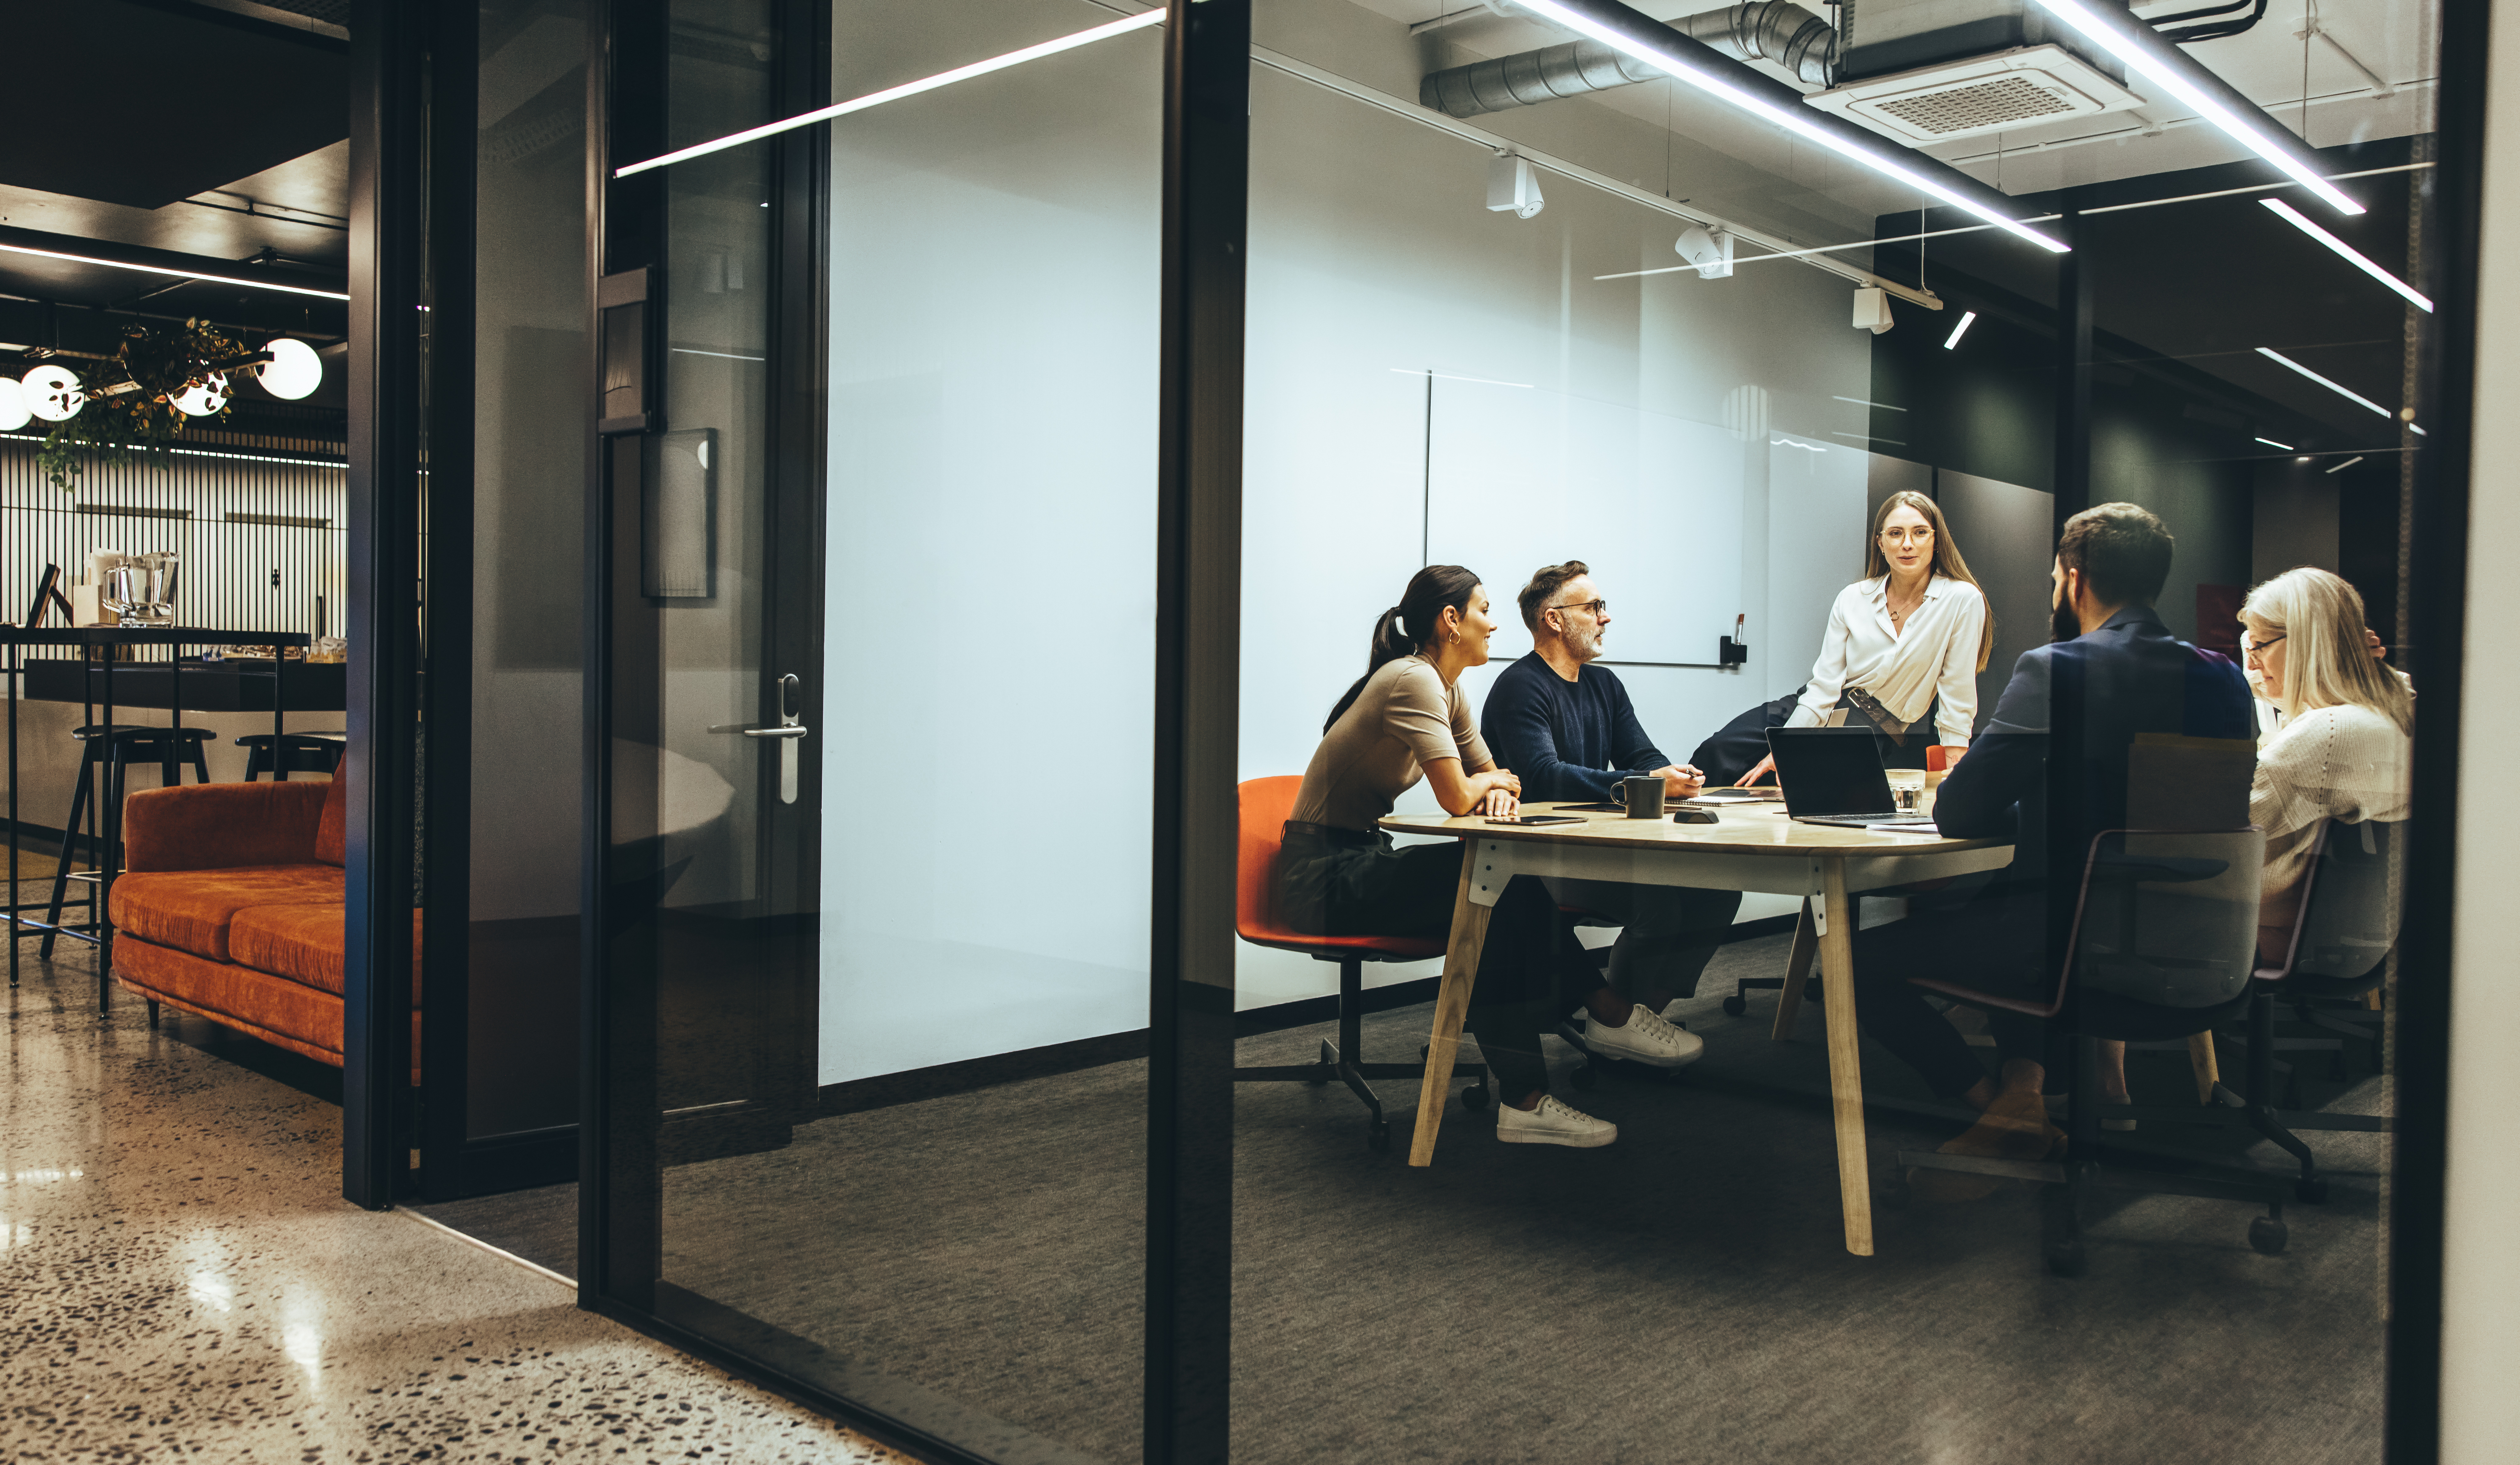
(1266, 804)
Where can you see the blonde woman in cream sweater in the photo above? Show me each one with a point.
(2340, 751)
(2343, 750)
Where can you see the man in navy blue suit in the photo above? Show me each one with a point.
(2115, 671)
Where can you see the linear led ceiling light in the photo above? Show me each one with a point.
(1659, 46)
(2348, 253)
(1086, 37)
(1967, 317)
(159, 269)
(2354, 397)
(2165, 66)
(2271, 443)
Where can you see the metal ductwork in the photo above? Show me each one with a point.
(1775, 30)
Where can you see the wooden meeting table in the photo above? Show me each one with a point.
(1754, 847)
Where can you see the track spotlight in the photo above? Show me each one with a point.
(1871, 309)
(1712, 253)
(1513, 186)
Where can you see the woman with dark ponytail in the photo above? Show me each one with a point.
(1340, 875)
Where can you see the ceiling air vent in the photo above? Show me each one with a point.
(1983, 94)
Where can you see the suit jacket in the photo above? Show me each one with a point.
(2081, 703)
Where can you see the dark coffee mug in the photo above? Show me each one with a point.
(1642, 794)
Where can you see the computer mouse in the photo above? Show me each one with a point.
(1695, 817)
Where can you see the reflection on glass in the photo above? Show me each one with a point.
(1508, 336)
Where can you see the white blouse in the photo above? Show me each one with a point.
(2347, 763)
(1935, 655)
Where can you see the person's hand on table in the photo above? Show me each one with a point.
(1758, 771)
(1682, 781)
(1504, 793)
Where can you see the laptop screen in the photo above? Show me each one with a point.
(1829, 771)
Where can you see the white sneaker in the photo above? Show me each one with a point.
(1645, 1038)
(1554, 1123)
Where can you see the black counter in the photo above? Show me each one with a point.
(208, 687)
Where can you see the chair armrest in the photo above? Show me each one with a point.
(222, 826)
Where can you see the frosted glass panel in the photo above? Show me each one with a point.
(1522, 476)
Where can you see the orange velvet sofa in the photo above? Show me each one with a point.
(231, 906)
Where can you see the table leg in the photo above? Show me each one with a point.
(1799, 966)
(1845, 1068)
(1452, 1005)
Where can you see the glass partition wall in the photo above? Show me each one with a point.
(881, 568)
(891, 707)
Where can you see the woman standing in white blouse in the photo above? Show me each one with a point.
(1905, 643)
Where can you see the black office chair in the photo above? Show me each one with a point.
(2342, 935)
(167, 747)
(2163, 944)
(306, 752)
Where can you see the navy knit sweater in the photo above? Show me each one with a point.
(1566, 740)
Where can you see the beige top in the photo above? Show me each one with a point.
(1405, 717)
(2347, 763)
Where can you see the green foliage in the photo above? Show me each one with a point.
(130, 404)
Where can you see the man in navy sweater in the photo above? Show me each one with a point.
(1566, 728)
(2117, 671)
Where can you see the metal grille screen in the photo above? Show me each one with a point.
(1988, 103)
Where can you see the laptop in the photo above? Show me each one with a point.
(1833, 776)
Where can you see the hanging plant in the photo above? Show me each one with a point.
(137, 399)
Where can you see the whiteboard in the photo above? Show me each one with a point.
(1521, 476)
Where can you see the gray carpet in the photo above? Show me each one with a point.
(1681, 1296)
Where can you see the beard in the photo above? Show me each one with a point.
(1586, 644)
(2064, 624)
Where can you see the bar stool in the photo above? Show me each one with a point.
(129, 743)
(308, 752)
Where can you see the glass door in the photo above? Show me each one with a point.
(877, 486)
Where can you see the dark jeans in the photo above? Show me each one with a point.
(1343, 882)
(1667, 933)
(1995, 943)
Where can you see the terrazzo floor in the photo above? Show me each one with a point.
(180, 1279)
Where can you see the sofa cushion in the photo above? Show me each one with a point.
(191, 910)
(333, 832)
(302, 943)
(215, 825)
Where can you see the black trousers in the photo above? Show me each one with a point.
(1343, 882)
(1994, 942)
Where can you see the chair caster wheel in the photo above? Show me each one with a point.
(2067, 1259)
(1475, 1097)
(1378, 1137)
(2267, 1235)
(2312, 1191)
(1585, 1078)
(1734, 1005)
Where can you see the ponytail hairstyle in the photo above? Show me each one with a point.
(1410, 626)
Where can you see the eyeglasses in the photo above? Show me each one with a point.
(2259, 647)
(1593, 607)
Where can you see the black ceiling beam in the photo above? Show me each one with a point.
(273, 31)
(144, 259)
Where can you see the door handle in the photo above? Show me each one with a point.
(784, 734)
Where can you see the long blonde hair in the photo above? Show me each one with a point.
(2327, 662)
(1947, 561)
